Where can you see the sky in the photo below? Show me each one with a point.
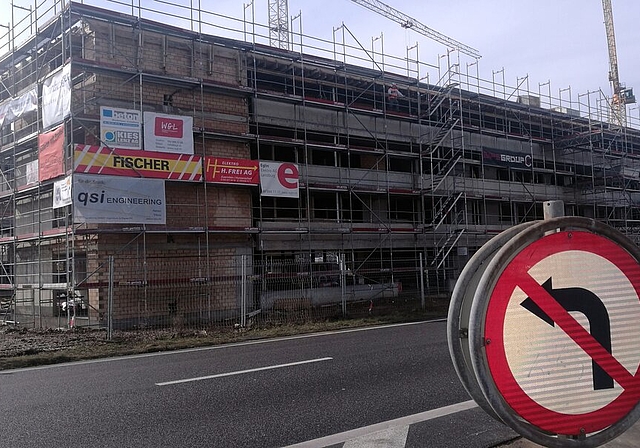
(557, 48)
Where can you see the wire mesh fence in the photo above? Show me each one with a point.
(237, 292)
(189, 292)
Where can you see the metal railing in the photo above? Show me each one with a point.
(236, 291)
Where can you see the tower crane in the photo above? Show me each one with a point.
(410, 23)
(621, 96)
(279, 24)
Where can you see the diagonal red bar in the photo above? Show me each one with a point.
(575, 331)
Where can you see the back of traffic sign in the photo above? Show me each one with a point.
(552, 346)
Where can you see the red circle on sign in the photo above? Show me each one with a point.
(516, 275)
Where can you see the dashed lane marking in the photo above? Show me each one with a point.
(242, 372)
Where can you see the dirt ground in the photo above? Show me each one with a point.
(21, 341)
(23, 347)
(20, 347)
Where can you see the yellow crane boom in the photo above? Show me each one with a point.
(621, 95)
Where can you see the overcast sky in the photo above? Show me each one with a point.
(550, 46)
(558, 41)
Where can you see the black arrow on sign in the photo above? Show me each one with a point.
(586, 302)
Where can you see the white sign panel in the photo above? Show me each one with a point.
(16, 107)
(570, 278)
(279, 179)
(56, 97)
(168, 133)
(560, 338)
(31, 172)
(117, 199)
(121, 128)
(62, 193)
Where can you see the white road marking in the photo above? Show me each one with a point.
(366, 431)
(242, 372)
(388, 438)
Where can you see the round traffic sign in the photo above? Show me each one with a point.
(460, 308)
(554, 334)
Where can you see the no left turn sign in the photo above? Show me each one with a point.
(554, 333)
(554, 318)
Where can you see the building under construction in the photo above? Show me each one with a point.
(140, 161)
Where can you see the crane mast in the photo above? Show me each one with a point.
(410, 23)
(279, 24)
(620, 95)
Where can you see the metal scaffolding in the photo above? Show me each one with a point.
(383, 187)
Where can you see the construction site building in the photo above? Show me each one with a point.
(386, 197)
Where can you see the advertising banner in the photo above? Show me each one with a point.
(51, 154)
(231, 171)
(137, 163)
(121, 128)
(16, 107)
(168, 133)
(118, 200)
(506, 158)
(30, 172)
(62, 193)
(56, 97)
(279, 179)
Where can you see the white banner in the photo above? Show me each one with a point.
(16, 107)
(56, 97)
(168, 133)
(279, 179)
(62, 193)
(121, 128)
(118, 200)
(31, 172)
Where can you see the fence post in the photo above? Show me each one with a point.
(422, 301)
(110, 300)
(343, 285)
(243, 292)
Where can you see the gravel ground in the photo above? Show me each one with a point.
(21, 347)
(22, 341)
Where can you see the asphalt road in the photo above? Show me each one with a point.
(331, 389)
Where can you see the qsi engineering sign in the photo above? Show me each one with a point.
(121, 200)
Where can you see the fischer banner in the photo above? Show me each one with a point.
(56, 97)
(137, 163)
(121, 128)
(168, 133)
(118, 200)
(279, 179)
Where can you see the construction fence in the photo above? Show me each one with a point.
(161, 293)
